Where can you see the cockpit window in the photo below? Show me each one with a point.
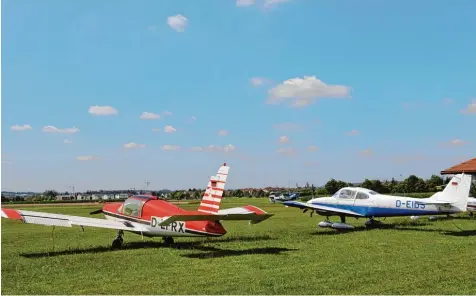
(362, 195)
(346, 193)
(132, 207)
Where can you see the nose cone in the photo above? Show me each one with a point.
(215, 228)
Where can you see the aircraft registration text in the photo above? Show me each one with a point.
(409, 204)
(177, 226)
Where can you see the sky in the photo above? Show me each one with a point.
(108, 94)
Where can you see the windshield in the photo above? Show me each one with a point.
(132, 207)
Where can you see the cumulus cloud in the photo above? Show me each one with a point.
(353, 133)
(86, 158)
(258, 81)
(229, 148)
(170, 147)
(457, 142)
(177, 22)
(366, 152)
(222, 132)
(132, 145)
(213, 148)
(274, 2)
(149, 116)
(283, 139)
(242, 3)
(286, 151)
(312, 148)
(20, 128)
(66, 141)
(54, 129)
(303, 91)
(102, 110)
(169, 129)
(471, 109)
(194, 118)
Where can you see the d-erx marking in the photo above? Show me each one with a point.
(177, 226)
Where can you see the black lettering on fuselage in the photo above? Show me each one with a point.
(174, 226)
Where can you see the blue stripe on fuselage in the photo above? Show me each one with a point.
(380, 211)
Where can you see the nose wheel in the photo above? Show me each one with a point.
(118, 241)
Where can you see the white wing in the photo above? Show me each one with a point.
(68, 221)
(321, 209)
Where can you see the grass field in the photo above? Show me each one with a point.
(286, 254)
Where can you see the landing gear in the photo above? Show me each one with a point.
(168, 240)
(371, 222)
(117, 242)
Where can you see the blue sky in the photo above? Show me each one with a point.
(302, 90)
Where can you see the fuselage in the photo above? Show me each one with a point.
(147, 213)
(471, 207)
(385, 206)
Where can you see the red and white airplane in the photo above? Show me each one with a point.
(149, 216)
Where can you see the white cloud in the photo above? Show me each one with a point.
(471, 109)
(177, 22)
(222, 132)
(66, 141)
(366, 152)
(86, 158)
(274, 2)
(54, 129)
(229, 148)
(286, 151)
(353, 133)
(196, 148)
(194, 118)
(258, 81)
(169, 129)
(167, 113)
(457, 142)
(102, 110)
(149, 115)
(133, 145)
(283, 139)
(312, 148)
(303, 91)
(241, 3)
(20, 128)
(170, 147)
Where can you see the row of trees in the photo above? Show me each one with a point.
(412, 184)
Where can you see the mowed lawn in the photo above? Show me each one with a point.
(286, 254)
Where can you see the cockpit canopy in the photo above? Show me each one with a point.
(133, 205)
(354, 193)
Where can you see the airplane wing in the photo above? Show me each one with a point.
(321, 209)
(66, 220)
(251, 213)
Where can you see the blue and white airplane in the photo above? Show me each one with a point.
(360, 202)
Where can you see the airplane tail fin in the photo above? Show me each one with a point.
(456, 191)
(213, 194)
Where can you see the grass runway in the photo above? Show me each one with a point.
(285, 254)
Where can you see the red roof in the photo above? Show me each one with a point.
(467, 167)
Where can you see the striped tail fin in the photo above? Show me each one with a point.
(212, 198)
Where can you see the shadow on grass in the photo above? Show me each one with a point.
(226, 253)
(195, 245)
(402, 226)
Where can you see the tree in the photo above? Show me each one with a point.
(331, 186)
(433, 182)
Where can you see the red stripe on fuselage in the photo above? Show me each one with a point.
(12, 214)
(254, 210)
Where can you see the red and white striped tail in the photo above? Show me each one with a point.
(212, 198)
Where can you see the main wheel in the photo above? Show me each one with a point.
(168, 240)
(117, 243)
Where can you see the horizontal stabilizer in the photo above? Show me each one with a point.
(251, 213)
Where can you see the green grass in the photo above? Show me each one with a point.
(286, 254)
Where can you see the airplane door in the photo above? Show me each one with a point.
(346, 197)
(362, 201)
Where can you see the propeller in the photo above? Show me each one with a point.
(96, 212)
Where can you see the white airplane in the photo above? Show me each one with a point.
(360, 202)
(470, 208)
